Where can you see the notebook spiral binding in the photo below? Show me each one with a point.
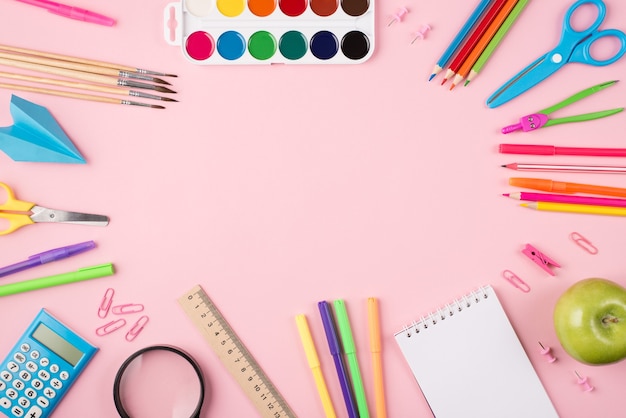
(449, 310)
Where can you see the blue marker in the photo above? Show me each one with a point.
(458, 39)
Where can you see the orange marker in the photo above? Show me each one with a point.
(483, 42)
(565, 187)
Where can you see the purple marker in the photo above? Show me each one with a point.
(47, 257)
(335, 351)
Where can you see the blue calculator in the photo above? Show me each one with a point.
(41, 368)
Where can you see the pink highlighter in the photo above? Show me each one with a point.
(71, 12)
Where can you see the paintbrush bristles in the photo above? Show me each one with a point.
(83, 61)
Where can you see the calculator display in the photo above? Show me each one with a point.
(57, 344)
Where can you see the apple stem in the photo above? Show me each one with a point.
(610, 318)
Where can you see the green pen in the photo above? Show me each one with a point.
(349, 348)
(86, 273)
(495, 41)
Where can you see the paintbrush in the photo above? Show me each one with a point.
(84, 86)
(119, 67)
(80, 96)
(94, 78)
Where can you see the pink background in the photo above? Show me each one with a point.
(275, 187)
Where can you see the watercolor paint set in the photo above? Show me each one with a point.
(235, 32)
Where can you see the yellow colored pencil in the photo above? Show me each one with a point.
(377, 362)
(314, 364)
(576, 208)
(483, 42)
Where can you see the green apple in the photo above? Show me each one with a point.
(590, 321)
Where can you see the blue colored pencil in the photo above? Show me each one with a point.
(458, 39)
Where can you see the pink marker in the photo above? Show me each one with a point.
(552, 150)
(71, 12)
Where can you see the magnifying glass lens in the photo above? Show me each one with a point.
(160, 384)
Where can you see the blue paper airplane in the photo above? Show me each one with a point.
(35, 136)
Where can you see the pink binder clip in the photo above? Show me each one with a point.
(136, 328)
(110, 327)
(540, 259)
(107, 300)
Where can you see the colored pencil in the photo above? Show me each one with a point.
(567, 168)
(483, 42)
(460, 36)
(473, 39)
(80, 96)
(498, 37)
(573, 208)
(561, 198)
(119, 67)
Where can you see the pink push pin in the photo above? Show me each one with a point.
(584, 382)
(421, 33)
(398, 16)
(547, 353)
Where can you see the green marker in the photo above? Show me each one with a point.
(75, 276)
(495, 41)
(349, 348)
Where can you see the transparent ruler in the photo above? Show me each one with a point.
(234, 355)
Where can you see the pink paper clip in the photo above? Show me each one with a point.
(547, 353)
(540, 259)
(583, 382)
(516, 281)
(107, 300)
(110, 327)
(127, 308)
(583, 243)
(136, 328)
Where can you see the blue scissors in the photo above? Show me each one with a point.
(574, 46)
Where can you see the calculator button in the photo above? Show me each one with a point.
(37, 384)
(24, 403)
(31, 366)
(25, 347)
(54, 368)
(19, 357)
(6, 376)
(49, 393)
(5, 403)
(35, 354)
(18, 384)
(13, 366)
(44, 362)
(11, 393)
(64, 375)
(43, 402)
(34, 412)
(17, 411)
(56, 383)
(24, 375)
(2, 385)
(43, 375)
(31, 393)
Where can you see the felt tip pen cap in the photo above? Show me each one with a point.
(540, 184)
(344, 327)
(63, 252)
(329, 328)
(527, 149)
(307, 341)
(374, 323)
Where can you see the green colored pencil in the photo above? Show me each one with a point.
(497, 38)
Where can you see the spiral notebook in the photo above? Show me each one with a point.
(468, 361)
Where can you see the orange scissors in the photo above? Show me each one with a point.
(16, 212)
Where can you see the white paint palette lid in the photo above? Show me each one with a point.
(235, 32)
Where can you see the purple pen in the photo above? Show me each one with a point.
(335, 351)
(47, 257)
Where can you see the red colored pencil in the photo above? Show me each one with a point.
(473, 39)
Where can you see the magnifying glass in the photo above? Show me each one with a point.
(159, 381)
